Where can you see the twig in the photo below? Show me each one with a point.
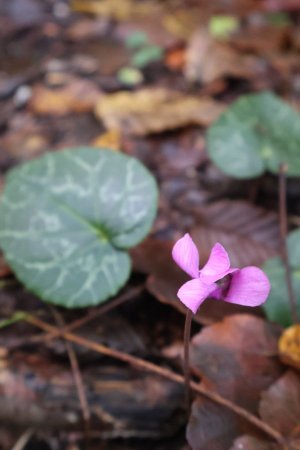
(23, 439)
(186, 358)
(166, 373)
(49, 336)
(283, 236)
(76, 371)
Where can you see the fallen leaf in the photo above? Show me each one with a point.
(182, 22)
(253, 39)
(208, 60)
(249, 233)
(110, 139)
(155, 110)
(280, 405)
(289, 346)
(211, 426)
(77, 96)
(115, 9)
(85, 29)
(235, 357)
(175, 59)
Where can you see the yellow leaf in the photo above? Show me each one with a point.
(289, 346)
(111, 139)
(115, 9)
(78, 96)
(155, 110)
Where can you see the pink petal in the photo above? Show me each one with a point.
(185, 254)
(249, 287)
(217, 266)
(193, 293)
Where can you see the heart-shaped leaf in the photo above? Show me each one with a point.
(277, 307)
(67, 218)
(257, 133)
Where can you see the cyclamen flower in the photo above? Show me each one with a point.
(248, 286)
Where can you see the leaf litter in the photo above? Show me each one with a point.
(163, 121)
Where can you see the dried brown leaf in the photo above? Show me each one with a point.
(211, 426)
(208, 60)
(155, 110)
(280, 405)
(250, 234)
(77, 96)
(115, 9)
(236, 358)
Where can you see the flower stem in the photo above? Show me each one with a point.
(186, 358)
(283, 235)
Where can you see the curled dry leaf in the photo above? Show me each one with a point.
(155, 110)
(236, 358)
(289, 346)
(280, 405)
(207, 60)
(78, 96)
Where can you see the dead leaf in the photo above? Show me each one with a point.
(235, 357)
(77, 96)
(85, 29)
(25, 138)
(280, 405)
(183, 22)
(253, 39)
(111, 139)
(211, 426)
(208, 60)
(289, 346)
(175, 59)
(115, 9)
(252, 443)
(155, 110)
(249, 233)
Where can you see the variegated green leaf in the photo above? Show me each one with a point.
(256, 133)
(67, 218)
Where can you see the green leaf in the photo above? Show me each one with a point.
(277, 307)
(147, 55)
(136, 39)
(293, 243)
(222, 26)
(130, 76)
(67, 218)
(257, 133)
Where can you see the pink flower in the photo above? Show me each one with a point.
(248, 286)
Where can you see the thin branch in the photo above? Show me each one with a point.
(23, 440)
(283, 236)
(75, 370)
(164, 372)
(93, 314)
